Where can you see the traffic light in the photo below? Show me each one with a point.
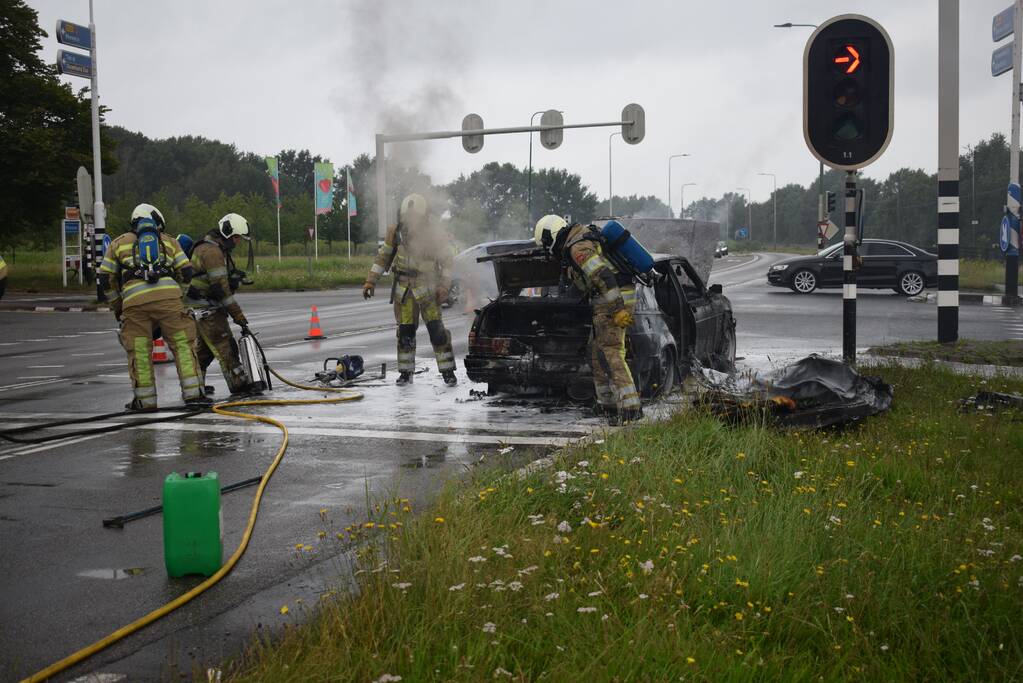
(831, 202)
(848, 81)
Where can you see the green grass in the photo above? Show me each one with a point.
(1008, 352)
(977, 275)
(890, 551)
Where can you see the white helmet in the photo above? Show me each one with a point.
(232, 224)
(147, 211)
(414, 207)
(551, 225)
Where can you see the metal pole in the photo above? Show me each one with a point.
(529, 191)
(671, 214)
(381, 190)
(948, 169)
(849, 255)
(610, 188)
(682, 200)
(348, 208)
(1012, 259)
(99, 213)
(821, 209)
(316, 236)
(278, 229)
(775, 202)
(63, 254)
(749, 209)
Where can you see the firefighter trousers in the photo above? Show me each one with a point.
(612, 379)
(410, 302)
(137, 324)
(216, 341)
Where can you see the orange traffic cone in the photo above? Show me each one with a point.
(314, 326)
(160, 351)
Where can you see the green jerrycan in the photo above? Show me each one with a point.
(193, 537)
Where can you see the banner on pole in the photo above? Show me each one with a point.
(275, 178)
(323, 187)
(353, 210)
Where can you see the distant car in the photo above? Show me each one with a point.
(721, 250)
(887, 264)
(535, 335)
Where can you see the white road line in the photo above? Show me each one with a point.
(9, 343)
(41, 367)
(52, 444)
(100, 353)
(36, 376)
(25, 385)
(111, 364)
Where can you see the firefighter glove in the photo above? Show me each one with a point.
(622, 319)
(246, 332)
(241, 322)
(367, 289)
(193, 292)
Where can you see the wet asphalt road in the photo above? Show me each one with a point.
(65, 579)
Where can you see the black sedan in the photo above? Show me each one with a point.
(887, 264)
(535, 336)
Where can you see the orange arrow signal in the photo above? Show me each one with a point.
(852, 59)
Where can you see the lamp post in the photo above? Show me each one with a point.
(774, 196)
(749, 208)
(821, 209)
(682, 199)
(610, 186)
(529, 191)
(671, 214)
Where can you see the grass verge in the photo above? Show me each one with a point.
(891, 551)
(1008, 352)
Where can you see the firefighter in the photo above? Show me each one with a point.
(210, 300)
(3, 276)
(612, 296)
(140, 277)
(419, 253)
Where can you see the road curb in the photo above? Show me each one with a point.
(970, 298)
(977, 369)
(53, 309)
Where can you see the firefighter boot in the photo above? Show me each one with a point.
(631, 414)
(449, 378)
(404, 377)
(136, 407)
(199, 402)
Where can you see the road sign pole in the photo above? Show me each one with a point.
(948, 171)
(1012, 255)
(99, 211)
(848, 272)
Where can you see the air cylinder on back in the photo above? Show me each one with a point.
(623, 245)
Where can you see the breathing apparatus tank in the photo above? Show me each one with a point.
(624, 250)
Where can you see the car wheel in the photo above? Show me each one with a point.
(911, 283)
(725, 360)
(803, 281)
(667, 373)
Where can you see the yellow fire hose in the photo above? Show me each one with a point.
(160, 612)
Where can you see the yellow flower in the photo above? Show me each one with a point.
(603, 475)
(677, 480)
(849, 619)
(690, 660)
(322, 534)
(738, 616)
(284, 609)
(439, 520)
(740, 582)
(594, 551)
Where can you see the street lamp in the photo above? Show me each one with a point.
(529, 192)
(671, 214)
(610, 186)
(749, 208)
(821, 210)
(682, 198)
(774, 196)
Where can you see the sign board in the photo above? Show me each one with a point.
(74, 64)
(1001, 25)
(1003, 233)
(472, 143)
(827, 229)
(105, 245)
(742, 234)
(72, 227)
(80, 36)
(310, 232)
(84, 182)
(72, 213)
(1001, 60)
(551, 139)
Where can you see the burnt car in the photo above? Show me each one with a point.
(535, 336)
(887, 264)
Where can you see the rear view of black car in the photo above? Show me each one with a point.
(886, 264)
(535, 336)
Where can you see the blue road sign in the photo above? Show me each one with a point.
(80, 36)
(72, 227)
(106, 244)
(742, 234)
(1001, 60)
(74, 64)
(1011, 230)
(1001, 25)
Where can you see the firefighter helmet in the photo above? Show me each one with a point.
(547, 228)
(147, 211)
(414, 207)
(233, 225)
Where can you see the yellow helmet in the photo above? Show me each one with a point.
(551, 224)
(414, 207)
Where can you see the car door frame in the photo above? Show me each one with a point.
(706, 317)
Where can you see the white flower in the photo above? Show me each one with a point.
(635, 460)
(594, 594)
(564, 527)
(404, 585)
(456, 587)
(506, 450)
(515, 586)
(551, 596)
(849, 596)
(557, 539)
(561, 476)
(586, 610)
(536, 520)
(647, 566)
(388, 678)
(605, 618)
(835, 520)
(839, 609)
(477, 559)
(985, 553)
(798, 474)
(528, 570)
(490, 627)
(643, 596)
(1015, 558)
(583, 463)
(599, 441)
(501, 672)
(884, 648)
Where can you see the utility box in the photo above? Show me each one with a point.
(193, 537)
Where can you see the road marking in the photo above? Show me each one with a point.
(37, 376)
(9, 343)
(53, 444)
(25, 385)
(41, 367)
(111, 364)
(100, 353)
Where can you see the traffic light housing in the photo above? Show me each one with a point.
(831, 202)
(848, 85)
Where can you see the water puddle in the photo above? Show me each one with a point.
(112, 574)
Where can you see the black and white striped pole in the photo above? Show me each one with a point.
(849, 257)
(948, 171)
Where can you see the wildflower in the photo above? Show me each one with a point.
(1015, 558)
(551, 596)
(284, 609)
(605, 617)
(738, 616)
(439, 520)
(676, 480)
(490, 627)
(741, 583)
(477, 559)
(499, 671)
(536, 520)
(798, 474)
(456, 587)
(690, 660)
(583, 463)
(643, 596)
(388, 678)
(564, 527)
(594, 594)
(647, 566)
(515, 586)
(884, 648)
(604, 475)
(835, 520)
(507, 450)
(402, 586)
(586, 610)
(528, 570)
(322, 534)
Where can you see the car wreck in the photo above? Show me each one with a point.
(534, 337)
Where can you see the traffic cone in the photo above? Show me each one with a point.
(314, 327)
(160, 351)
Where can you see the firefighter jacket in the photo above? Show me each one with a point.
(214, 283)
(124, 286)
(418, 258)
(592, 273)
(3, 268)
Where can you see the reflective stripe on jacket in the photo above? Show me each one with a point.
(120, 257)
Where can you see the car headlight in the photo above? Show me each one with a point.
(778, 267)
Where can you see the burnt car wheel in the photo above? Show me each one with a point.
(725, 360)
(911, 283)
(804, 281)
(668, 373)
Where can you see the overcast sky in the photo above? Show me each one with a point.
(716, 80)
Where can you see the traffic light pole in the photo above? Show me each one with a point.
(849, 273)
(948, 171)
